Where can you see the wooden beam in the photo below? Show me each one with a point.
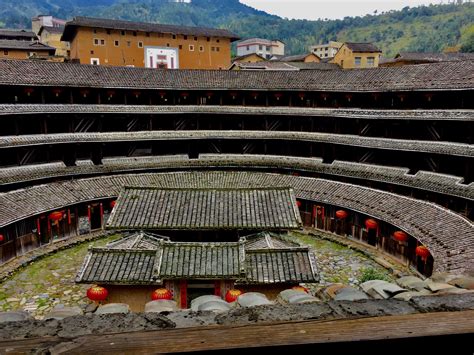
(307, 333)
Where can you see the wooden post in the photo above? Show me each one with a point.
(183, 291)
(217, 288)
(101, 214)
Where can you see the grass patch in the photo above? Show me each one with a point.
(370, 273)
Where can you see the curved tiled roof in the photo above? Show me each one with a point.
(438, 76)
(434, 147)
(353, 113)
(423, 180)
(449, 236)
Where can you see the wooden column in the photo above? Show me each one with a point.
(183, 291)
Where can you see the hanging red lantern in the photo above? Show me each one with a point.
(184, 95)
(371, 223)
(324, 96)
(349, 97)
(400, 236)
(84, 93)
(209, 94)
(255, 95)
(162, 94)
(28, 91)
(302, 95)
(233, 94)
(97, 293)
(55, 216)
(136, 94)
(2, 238)
(56, 91)
(161, 294)
(341, 214)
(278, 95)
(300, 288)
(422, 252)
(110, 93)
(298, 203)
(232, 295)
(112, 203)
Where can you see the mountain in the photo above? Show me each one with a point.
(426, 28)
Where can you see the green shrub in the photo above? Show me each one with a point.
(370, 273)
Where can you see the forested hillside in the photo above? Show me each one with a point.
(425, 28)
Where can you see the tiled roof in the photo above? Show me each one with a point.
(362, 47)
(434, 147)
(9, 34)
(281, 65)
(280, 266)
(198, 260)
(70, 29)
(295, 58)
(138, 240)
(25, 45)
(350, 113)
(436, 76)
(51, 29)
(118, 266)
(208, 209)
(423, 180)
(267, 240)
(433, 57)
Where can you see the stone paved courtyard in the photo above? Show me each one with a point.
(49, 282)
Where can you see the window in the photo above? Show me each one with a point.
(92, 52)
(260, 47)
(357, 61)
(217, 40)
(342, 63)
(102, 42)
(201, 48)
(147, 34)
(129, 43)
(185, 37)
(122, 33)
(180, 46)
(140, 44)
(108, 32)
(116, 43)
(95, 31)
(195, 38)
(167, 44)
(213, 49)
(248, 48)
(191, 47)
(134, 33)
(217, 49)
(96, 41)
(370, 61)
(208, 39)
(268, 48)
(95, 61)
(5, 52)
(174, 36)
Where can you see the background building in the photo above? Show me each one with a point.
(263, 47)
(51, 36)
(124, 43)
(14, 49)
(17, 35)
(357, 55)
(327, 50)
(46, 20)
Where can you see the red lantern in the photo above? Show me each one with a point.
(162, 94)
(55, 216)
(136, 94)
(341, 214)
(349, 97)
(84, 93)
(97, 293)
(301, 95)
(28, 91)
(184, 95)
(232, 295)
(112, 203)
(300, 288)
(161, 294)
(209, 94)
(371, 224)
(255, 95)
(278, 95)
(400, 236)
(110, 93)
(233, 95)
(298, 203)
(422, 252)
(56, 91)
(2, 238)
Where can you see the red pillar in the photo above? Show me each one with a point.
(101, 214)
(89, 213)
(68, 216)
(217, 288)
(38, 226)
(183, 290)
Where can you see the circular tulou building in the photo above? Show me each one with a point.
(383, 156)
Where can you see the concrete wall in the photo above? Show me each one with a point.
(345, 58)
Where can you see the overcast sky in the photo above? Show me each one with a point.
(332, 9)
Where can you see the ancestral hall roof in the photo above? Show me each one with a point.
(79, 21)
(205, 209)
(435, 76)
(204, 261)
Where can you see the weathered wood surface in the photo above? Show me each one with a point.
(254, 336)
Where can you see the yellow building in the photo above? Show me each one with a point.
(124, 43)
(14, 49)
(51, 36)
(249, 58)
(357, 55)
